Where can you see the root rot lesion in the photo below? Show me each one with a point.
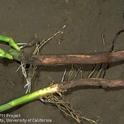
(108, 57)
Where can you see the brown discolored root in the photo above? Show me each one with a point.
(92, 82)
(108, 57)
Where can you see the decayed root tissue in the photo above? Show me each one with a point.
(59, 88)
(53, 93)
(78, 59)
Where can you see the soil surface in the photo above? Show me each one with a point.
(86, 20)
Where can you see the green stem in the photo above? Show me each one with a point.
(10, 41)
(29, 97)
(4, 54)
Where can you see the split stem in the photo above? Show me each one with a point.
(107, 57)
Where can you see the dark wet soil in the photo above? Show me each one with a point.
(86, 20)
